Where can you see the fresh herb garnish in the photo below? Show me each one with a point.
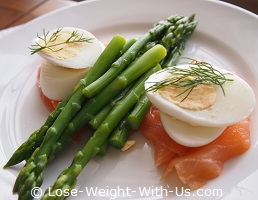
(47, 42)
(198, 73)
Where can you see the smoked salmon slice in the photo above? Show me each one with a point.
(195, 166)
(153, 130)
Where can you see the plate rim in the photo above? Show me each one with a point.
(62, 10)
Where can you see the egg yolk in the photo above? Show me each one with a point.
(201, 97)
(63, 51)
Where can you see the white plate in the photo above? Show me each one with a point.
(226, 36)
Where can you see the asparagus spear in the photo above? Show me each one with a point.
(101, 65)
(139, 112)
(33, 172)
(101, 115)
(153, 34)
(177, 49)
(119, 135)
(174, 41)
(103, 148)
(68, 178)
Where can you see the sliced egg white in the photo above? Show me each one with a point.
(57, 82)
(189, 135)
(76, 55)
(197, 127)
(237, 103)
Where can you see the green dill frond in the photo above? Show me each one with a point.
(198, 73)
(46, 42)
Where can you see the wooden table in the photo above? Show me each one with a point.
(15, 12)
(251, 5)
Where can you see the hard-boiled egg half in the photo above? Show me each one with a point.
(197, 101)
(68, 57)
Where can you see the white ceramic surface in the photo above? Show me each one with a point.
(226, 36)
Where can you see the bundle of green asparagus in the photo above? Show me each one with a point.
(110, 98)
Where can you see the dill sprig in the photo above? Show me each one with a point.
(45, 41)
(199, 72)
